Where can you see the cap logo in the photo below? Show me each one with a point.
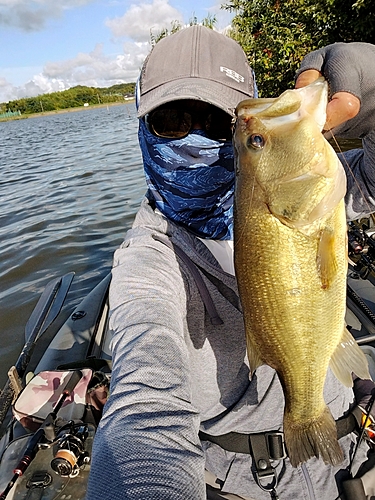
(232, 74)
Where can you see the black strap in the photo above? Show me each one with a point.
(232, 441)
(244, 443)
(267, 446)
(262, 446)
(237, 442)
(265, 474)
(201, 285)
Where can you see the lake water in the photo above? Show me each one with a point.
(70, 185)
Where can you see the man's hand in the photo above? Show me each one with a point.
(342, 107)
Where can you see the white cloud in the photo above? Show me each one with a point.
(38, 85)
(32, 15)
(6, 90)
(86, 69)
(93, 69)
(140, 18)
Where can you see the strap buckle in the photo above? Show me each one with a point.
(276, 445)
(267, 446)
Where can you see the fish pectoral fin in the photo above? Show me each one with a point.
(253, 355)
(349, 358)
(326, 257)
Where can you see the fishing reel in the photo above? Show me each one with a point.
(69, 451)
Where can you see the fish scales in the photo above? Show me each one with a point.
(290, 248)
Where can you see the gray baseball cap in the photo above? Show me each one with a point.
(195, 63)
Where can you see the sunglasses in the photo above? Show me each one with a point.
(177, 120)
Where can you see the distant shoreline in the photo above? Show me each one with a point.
(67, 110)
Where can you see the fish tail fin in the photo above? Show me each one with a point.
(347, 358)
(313, 438)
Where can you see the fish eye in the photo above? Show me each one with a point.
(256, 141)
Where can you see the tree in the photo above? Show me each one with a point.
(350, 21)
(209, 21)
(155, 38)
(71, 98)
(277, 34)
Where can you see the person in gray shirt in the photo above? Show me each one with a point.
(180, 371)
(349, 69)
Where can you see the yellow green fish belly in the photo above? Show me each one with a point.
(291, 263)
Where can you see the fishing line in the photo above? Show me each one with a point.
(352, 174)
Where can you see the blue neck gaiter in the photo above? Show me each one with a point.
(191, 181)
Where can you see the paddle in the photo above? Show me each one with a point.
(44, 313)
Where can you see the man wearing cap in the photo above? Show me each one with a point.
(180, 370)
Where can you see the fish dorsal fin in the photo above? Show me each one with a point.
(347, 358)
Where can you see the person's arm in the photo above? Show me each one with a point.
(147, 444)
(350, 72)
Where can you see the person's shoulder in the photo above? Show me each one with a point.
(360, 46)
(350, 49)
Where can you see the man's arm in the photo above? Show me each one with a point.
(147, 444)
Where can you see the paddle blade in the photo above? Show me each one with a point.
(48, 307)
(45, 311)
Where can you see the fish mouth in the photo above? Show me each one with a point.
(291, 105)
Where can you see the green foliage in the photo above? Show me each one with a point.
(209, 21)
(277, 34)
(71, 98)
(155, 38)
(354, 21)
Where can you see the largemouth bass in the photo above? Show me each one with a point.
(290, 248)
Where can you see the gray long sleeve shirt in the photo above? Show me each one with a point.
(176, 370)
(350, 67)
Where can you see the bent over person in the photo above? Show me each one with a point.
(180, 370)
(349, 69)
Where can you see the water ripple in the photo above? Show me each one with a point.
(69, 189)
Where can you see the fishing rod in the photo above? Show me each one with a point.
(44, 435)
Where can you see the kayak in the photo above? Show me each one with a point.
(50, 420)
(46, 446)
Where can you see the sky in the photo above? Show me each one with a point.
(52, 45)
